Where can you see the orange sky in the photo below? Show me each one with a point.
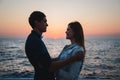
(98, 17)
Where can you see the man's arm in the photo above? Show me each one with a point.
(55, 65)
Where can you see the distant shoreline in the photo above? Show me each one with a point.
(16, 78)
(86, 37)
(31, 79)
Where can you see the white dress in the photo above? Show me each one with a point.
(70, 71)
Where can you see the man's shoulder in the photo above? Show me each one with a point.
(33, 37)
(32, 40)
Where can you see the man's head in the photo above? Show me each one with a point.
(38, 20)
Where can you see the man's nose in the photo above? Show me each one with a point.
(46, 24)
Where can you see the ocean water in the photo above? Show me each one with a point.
(102, 59)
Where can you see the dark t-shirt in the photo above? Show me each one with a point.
(38, 56)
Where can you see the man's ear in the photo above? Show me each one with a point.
(36, 23)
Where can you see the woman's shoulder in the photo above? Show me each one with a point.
(66, 46)
(74, 47)
(78, 47)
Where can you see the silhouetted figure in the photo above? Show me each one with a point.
(36, 50)
(71, 71)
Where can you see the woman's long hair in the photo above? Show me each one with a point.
(78, 33)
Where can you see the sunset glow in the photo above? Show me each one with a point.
(98, 17)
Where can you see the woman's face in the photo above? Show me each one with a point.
(69, 33)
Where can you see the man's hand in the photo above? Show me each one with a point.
(79, 56)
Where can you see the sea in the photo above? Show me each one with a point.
(102, 59)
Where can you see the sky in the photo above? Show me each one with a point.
(97, 17)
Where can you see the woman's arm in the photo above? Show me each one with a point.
(74, 69)
(73, 72)
(55, 65)
(64, 75)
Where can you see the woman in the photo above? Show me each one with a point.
(75, 34)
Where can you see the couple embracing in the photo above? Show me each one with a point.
(68, 64)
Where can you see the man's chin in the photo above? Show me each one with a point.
(44, 31)
(67, 38)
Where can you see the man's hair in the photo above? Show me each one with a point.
(36, 16)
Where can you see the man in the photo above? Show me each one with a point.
(36, 50)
